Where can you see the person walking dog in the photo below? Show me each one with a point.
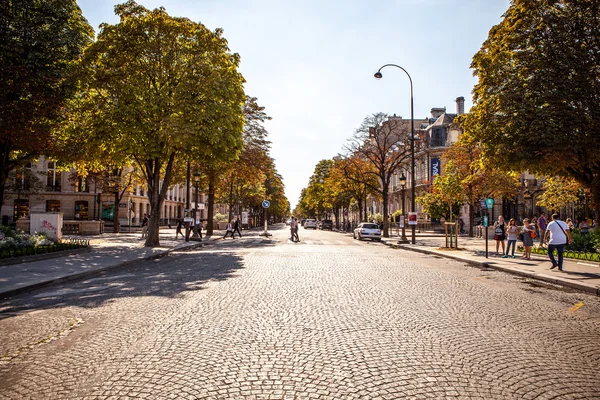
(557, 236)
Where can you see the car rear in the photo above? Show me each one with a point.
(370, 231)
(310, 224)
(327, 224)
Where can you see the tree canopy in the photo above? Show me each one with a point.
(40, 42)
(160, 88)
(537, 101)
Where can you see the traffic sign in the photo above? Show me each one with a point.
(489, 202)
(485, 221)
(482, 204)
(266, 203)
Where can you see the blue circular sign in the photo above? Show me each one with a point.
(266, 203)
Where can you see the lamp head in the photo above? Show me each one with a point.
(196, 176)
(402, 180)
(378, 75)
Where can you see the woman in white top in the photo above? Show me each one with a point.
(512, 232)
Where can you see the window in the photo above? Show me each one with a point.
(81, 209)
(52, 205)
(438, 137)
(82, 185)
(23, 178)
(53, 178)
(21, 209)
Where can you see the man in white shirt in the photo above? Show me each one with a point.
(557, 236)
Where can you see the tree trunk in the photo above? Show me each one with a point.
(211, 205)
(471, 218)
(386, 223)
(116, 224)
(156, 195)
(360, 210)
(230, 200)
(188, 178)
(6, 166)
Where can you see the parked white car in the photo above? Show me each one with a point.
(367, 230)
(310, 224)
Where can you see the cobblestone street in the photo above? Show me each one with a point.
(327, 318)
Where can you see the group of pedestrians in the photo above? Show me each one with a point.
(180, 225)
(232, 227)
(294, 230)
(556, 234)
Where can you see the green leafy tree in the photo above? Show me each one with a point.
(318, 193)
(39, 43)
(537, 100)
(161, 89)
(242, 179)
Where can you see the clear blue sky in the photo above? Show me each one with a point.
(311, 62)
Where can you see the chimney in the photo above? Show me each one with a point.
(460, 105)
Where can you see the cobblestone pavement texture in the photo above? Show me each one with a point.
(327, 318)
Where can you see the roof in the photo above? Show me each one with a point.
(443, 120)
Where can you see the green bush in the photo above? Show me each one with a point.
(588, 243)
(17, 243)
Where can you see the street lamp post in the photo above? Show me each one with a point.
(379, 75)
(403, 239)
(196, 182)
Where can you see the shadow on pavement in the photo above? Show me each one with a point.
(170, 276)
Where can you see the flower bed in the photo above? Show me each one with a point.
(18, 243)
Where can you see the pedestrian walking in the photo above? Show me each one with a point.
(542, 225)
(512, 231)
(236, 227)
(461, 226)
(557, 236)
(144, 225)
(528, 232)
(229, 230)
(200, 227)
(178, 229)
(499, 233)
(295, 237)
(292, 226)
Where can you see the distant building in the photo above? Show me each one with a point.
(42, 187)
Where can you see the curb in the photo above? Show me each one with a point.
(485, 264)
(67, 278)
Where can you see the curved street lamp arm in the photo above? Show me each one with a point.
(407, 74)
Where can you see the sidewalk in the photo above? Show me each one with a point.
(107, 251)
(578, 274)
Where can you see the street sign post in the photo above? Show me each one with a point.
(489, 204)
(266, 204)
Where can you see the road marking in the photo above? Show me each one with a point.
(589, 265)
(577, 306)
